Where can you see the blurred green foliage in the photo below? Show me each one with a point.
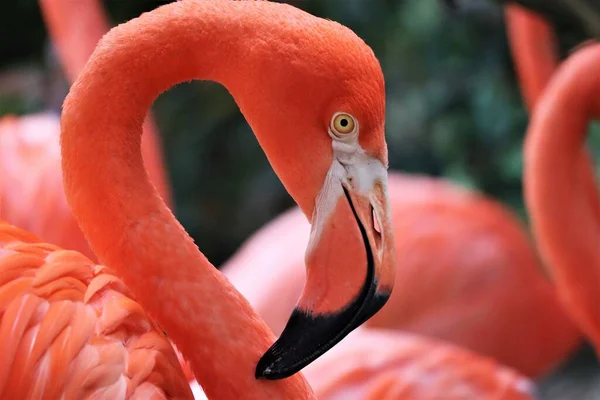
(454, 109)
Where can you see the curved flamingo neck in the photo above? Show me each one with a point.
(535, 53)
(75, 28)
(562, 217)
(125, 221)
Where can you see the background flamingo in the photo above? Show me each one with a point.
(386, 365)
(31, 189)
(535, 53)
(564, 223)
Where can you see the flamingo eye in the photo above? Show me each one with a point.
(342, 124)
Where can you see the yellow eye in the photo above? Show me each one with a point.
(342, 124)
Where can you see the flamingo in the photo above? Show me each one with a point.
(557, 193)
(535, 52)
(71, 328)
(31, 189)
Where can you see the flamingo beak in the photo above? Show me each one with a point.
(350, 266)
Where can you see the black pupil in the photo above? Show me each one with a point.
(344, 122)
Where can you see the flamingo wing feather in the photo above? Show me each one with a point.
(70, 327)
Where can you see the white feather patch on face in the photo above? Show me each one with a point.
(353, 168)
(326, 201)
(362, 170)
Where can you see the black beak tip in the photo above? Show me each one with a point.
(268, 369)
(306, 337)
(262, 371)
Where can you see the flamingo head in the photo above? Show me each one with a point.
(318, 111)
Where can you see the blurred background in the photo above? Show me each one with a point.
(454, 109)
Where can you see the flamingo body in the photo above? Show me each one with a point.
(467, 271)
(385, 365)
(31, 188)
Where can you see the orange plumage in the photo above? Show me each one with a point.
(131, 229)
(534, 47)
(558, 192)
(383, 365)
(71, 328)
(291, 60)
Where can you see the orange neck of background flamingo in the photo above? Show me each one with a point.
(534, 49)
(556, 195)
(76, 27)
